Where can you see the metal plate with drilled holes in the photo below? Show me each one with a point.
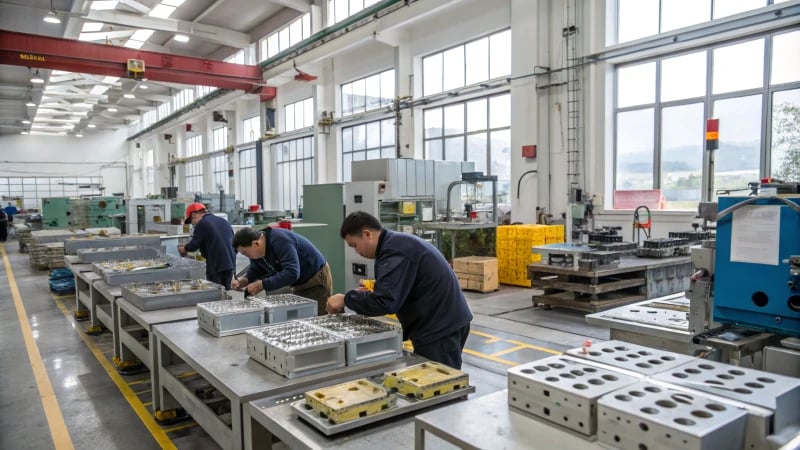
(426, 380)
(283, 307)
(658, 317)
(228, 317)
(402, 405)
(563, 390)
(90, 255)
(349, 401)
(636, 358)
(294, 348)
(655, 417)
(366, 339)
(778, 393)
(171, 294)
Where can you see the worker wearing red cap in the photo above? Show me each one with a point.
(212, 236)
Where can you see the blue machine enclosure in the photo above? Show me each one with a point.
(758, 295)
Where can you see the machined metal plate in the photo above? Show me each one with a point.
(172, 294)
(563, 390)
(47, 236)
(645, 415)
(349, 401)
(778, 393)
(283, 307)
(426, 380)
(636, 358)
(294, 348)
(90, 255)
(228, 317)
(73, 244)
(402, 405)
(658, 317)
(167, 267)
(366, 339)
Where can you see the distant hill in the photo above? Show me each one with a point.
(732, 156)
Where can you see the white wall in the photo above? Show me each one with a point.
(97, 154)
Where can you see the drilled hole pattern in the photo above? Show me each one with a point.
(636, 358)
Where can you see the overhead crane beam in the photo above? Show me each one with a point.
(22, 49)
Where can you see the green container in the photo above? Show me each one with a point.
(324, 204)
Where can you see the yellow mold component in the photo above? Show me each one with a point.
(426, 380)
(349, 401)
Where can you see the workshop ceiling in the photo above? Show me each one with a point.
(76, 104)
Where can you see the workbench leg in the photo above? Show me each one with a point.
(419, 437)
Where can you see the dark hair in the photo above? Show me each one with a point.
(245, 237)
(357, 221)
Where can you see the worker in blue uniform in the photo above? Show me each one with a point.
(212, 235)
(412, 280)
(282, 259)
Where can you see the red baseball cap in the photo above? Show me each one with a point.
(193, 207)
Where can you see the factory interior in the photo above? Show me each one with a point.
(616, 302)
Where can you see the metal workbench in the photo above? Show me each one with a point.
(224, 372)
(103, 298)
(83, 294)
(274, 417)
(489, 423)
(632, 279)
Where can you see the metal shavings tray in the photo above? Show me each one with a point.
(351, 325)
(563, 390)
(171, 294)
(402, 405)
(284, 307)
(366, 339)
(349, 401)
(636, 358)
(227, 317)
(294, 348)
(645, 415)
(426, 380)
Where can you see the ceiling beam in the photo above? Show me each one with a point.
(303, 6)
(209, 33)
(133, 4)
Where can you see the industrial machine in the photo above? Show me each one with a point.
(141, 214)
(55, 212)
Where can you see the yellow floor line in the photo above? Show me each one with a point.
(508, 350)
(180, 427)
(490, 339)
(144, 415)
(535, 347)
(490, 357)
(55, 420)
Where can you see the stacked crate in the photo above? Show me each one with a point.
(514, 253)
(477, 273)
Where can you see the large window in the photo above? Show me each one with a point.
(286, 37)
(368, 93)
(248, 177)
(164, 110)
(193, 170)
(641, 18)
(251, 129)
(299, 115)
(338, 10)
(182, 98)
(31, 190)
(149, 164)
(662, 105)
(476, 61)
(373, 140)
(219, 163)
(476, 130)
(294, 167)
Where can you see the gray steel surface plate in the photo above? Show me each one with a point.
(402, 405)
(655, 417)
(659, 317)
(171, 294)
(636, 358)
(563, 390)
(90, 255)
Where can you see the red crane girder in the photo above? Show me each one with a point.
(22, 49)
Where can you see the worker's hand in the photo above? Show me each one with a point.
(335, 304)
(182, 250)
(254, 288)
(366, 285)
(239, 283)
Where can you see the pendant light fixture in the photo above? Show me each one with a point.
(51, 16)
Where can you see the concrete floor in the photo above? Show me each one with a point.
(104, 410)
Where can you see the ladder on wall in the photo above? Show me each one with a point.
(574, 97)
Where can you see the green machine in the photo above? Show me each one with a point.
(324, 204)
(55, 212)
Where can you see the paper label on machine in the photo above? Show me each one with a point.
(755, 235)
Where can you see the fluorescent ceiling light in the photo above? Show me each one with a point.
(98, 5)
(24, 132)
(78, 135)
(110, 80)
(30, 104)
(91, 27)
(68, 126)
(62, 133)
(141, 35)
(80, 113)
(36, 79)
(51, 17)
(143, 86)
(112, 109)
(181, 38)
(130, 43)
(99, 89)
(128, 95)
(162, 11)
(26, 122)
(174, 3)
(91, 125)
